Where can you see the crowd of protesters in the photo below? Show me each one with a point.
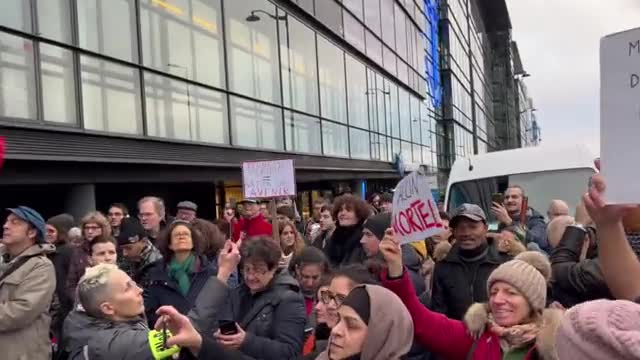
(267, 283)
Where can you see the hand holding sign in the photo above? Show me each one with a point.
(415, 213)
(392, 253)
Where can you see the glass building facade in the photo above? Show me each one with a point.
(320, 77)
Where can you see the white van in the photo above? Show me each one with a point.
(546, 173)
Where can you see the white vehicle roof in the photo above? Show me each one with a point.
(521, 161)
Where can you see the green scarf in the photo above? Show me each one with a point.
(180, 272)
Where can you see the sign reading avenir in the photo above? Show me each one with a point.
(268, 179)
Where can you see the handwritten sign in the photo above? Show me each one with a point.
(620, 115)
(268, 179)
(415, 214)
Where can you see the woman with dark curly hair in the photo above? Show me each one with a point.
(177, 279)
(343, 247)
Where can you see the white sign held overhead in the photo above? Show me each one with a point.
(415, 213)
(620, 115)
(268, 179)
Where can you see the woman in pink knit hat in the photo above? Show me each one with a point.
(513, 325)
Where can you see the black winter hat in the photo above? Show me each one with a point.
(377, 224)
(63, 223)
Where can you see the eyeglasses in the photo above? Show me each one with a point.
(254, 271)
(326, 297)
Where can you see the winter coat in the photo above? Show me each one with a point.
(25, 297)
(343, 248)
(413, 262)
(160, 289)
(273, 319)
(458, 283)
(450, 339)
(149, 258)
(61, 260)
(575, 281)
(536, 228)
(80, 261)
(256, 226)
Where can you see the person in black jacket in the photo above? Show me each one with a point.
(461, 278)
(268, 308)
(57, 229)
(179, 277)
(343, 248)
(577, 276)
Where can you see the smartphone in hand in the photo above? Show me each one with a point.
(227, 327)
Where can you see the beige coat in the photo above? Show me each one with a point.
(25, 297)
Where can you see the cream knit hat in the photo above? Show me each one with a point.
(528, 273)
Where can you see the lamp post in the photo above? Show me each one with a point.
(186, 75)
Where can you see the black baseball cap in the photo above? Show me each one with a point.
(131, 231)
(470, 211)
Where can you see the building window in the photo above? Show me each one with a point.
(333, 95)
(354, 32)
(374, 48)
(299, 67)
(396, 148)
(17, 78)
(58, 84)
(360, 144)
(256, 125)
(330, 14)
(388, 24)
(389, 59)
(108, 28)
(401, 32)
(302, 133)
(252, 50)
(54, 20)
(357, 93)
(372, 16)
(393, 122)
(335, 140)
(178, 110)
(16, 14)
(417, 154)
(184, 38)
(405, 116)
(406, 151)
(110, 96)
(355, 6)
(415, 120)
(306, 5)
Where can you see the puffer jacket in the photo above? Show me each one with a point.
(452, 340)
(273, 319)
(25, 297)
(160, 289)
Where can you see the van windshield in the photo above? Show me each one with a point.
(540, 187)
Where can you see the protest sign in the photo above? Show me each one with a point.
(268, 179)
(415, 213)
(620, 115)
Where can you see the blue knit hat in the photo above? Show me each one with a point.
(32, 217)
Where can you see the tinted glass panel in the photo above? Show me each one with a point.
(17, 74)
(333, 95)
(256, 125)
(355, 6)
(302, 133)
(335, 139)
(58, 84)
(360, 144)
(372, 15)
(330, 14)
(405, 117)
(54, 20)
(354, 32)
(16, 14)
(357, 93)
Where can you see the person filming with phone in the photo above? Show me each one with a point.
(510, 213)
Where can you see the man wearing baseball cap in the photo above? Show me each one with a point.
(461, 278)
(27, 284)
(139, 252)
(252, 223)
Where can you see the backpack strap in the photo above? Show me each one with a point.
(16, 265)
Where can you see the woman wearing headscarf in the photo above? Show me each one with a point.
(181, 274)
(514, 324)
(373, 325)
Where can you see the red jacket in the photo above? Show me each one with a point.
(447, 338)
(256, 226)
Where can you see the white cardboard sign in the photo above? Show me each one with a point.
(620, 115)
(268, 179)
(415, 213)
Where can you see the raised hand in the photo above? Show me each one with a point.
(228, 260)
(183, 332)
(501, 214)
(392, 253)
(601, 213)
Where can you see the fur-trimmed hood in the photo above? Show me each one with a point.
(477, 319)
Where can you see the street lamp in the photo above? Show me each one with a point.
(253, 17)
(186, 75)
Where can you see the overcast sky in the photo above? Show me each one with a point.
(559, 44)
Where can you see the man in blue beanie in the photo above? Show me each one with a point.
(27, 284)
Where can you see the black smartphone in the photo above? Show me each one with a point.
(227, 327)
(497, 198)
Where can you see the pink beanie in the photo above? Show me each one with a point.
(601, 329)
